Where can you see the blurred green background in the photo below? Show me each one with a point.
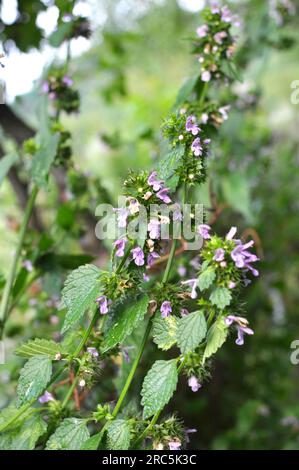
(128, 79)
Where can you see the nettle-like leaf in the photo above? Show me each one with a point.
(93, 442)
(40, 347)
(186, 90)
(43, 159)
(206, 278)
(216, 336)
(118, 435)
(70, 435)
(192, 330)
(221, 297)
(125, 323)
(158, 386)
(79, 293)
(165, 331)
(34, 378)
(23, 435)
(170, 162)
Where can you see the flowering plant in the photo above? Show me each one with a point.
(192, 314)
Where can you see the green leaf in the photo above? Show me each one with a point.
(125, 323)
(165, 331)
(43, 159)
(34, 378)
(119, 435)
(206, 278)
(39, 347)
(70, 435)
(61, 33)
(186, 90)
(170, 162)
(158, 386)
(221, 297)
(191, 330)
(93, 442)
(236, 192)
(79, 293)
(217, 335)
(23, 435)
(5, 165)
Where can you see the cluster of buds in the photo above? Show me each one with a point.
(64, 149)
(214, 41)
(60, 89)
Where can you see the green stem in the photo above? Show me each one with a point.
(70, 391)
(87, 333)
(12, 273)
(133, 369)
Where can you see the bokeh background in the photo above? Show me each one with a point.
(128, 74)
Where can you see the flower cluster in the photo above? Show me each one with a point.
(214, 41)
(60, 89)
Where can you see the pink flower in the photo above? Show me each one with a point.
(191, 125)
(194, 384)
(174, 445)
(203, 230)
(120, 247)
(103, 303)
(138, 256)
(153, 181)
(202, 31)
(165, 309)
(46, 397)
(206, 76)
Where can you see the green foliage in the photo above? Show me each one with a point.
(192, 330)
(79, 293)
(206, 278)
(39, 347)
(5, 165)
(216, 336)
(118, 434)
(71, 434)
(165, 331)
(25, 432)
(158, 386)
(34, 378)
(221, 297)
(170, 162)
(43, 159)
(127, 320)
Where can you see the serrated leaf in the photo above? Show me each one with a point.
(170, 162)
(119, 435)
(125, 323)
(186, 90)
(79, 293)
(221, 297)
(39, 347)
(24, 435)
(70, 435)
(158, 386)
(34, 378)
(43, 160)
(93, 442)
(217, 335)
(165, 331)
(206, 278)
(5, 165)
(191, 330)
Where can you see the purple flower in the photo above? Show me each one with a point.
(226, 15)
(193, 284)
(45, 87)
(191, 125)
(120, 247)
(165, 309)
(68, 81)
(219, 254)
(174, 445)
(203, 230)
(206, 76)
(93, 352)
(219, 36)
(231, 233)
(215, 8)
(27, 265)
(52, 96)
(231, 285)
(242, 327)
(243, 258)
(46, 397)
(154, 182)
(187, 432)
(163, 195)
(202, 31)
(224, 112)
(194, 384)
(133, 206)
(182, 271)
(122, 216)
(151, 258)
(154, 229)
(103, 303)
(146, 277)
(196, 147)
(184, 312)
(138, 256)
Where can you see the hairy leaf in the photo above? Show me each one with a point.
(221, 297)
(170, 162)
(206, 278)
(79, 293)
(191, 330)
(125, 323)
(165, 331)
(119, 435)
(24, 435)
(34, 377)
(158, 386)
(70, 435)
(217, 335)
(39, 347)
